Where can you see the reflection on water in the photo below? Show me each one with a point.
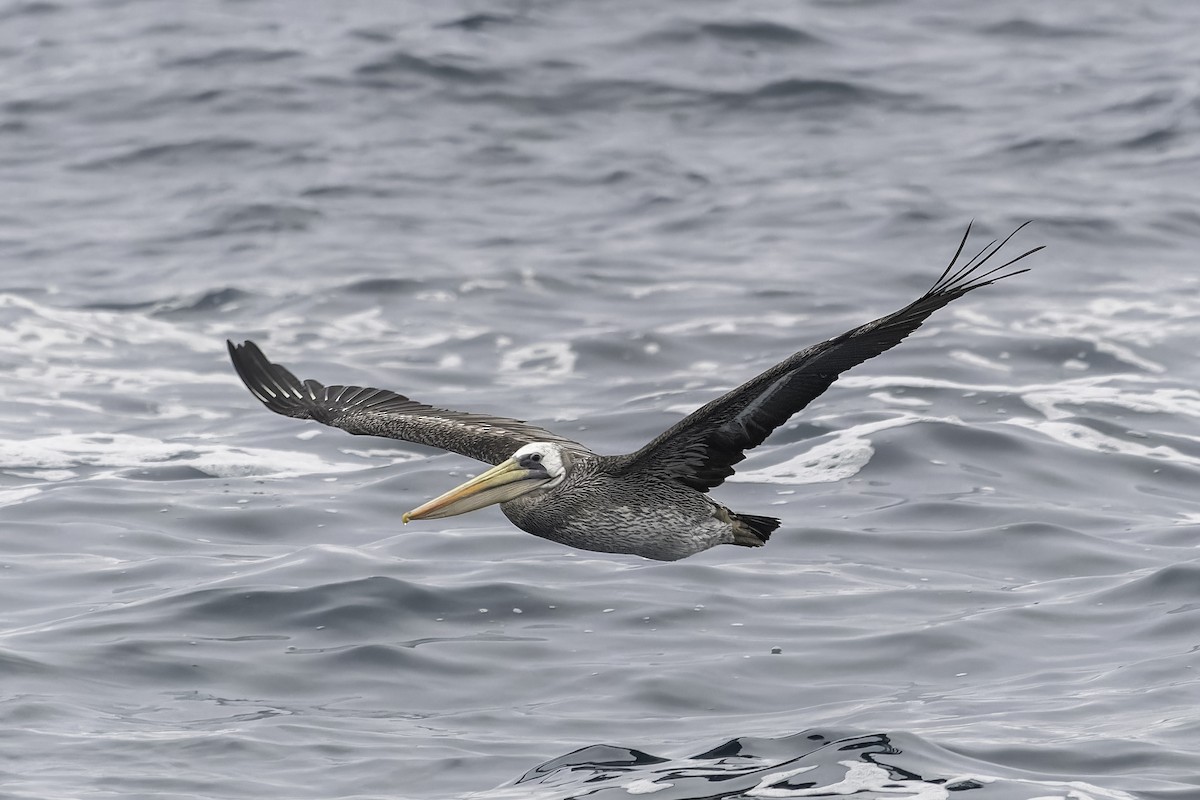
(808, 764)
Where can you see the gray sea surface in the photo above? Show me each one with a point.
(598, 216)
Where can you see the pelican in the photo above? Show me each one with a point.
(652, 503)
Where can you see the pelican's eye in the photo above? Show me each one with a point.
(533, 461)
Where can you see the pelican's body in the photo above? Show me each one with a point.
(601, 507)
(652, 503)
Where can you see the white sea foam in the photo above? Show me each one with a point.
(56, 455)
(677, 287)
(842, 455)
(723, 325)
(9, 497)
(382, 455)
(36, 327)
(537, 364)
(1117, 326)
(1128, 391)
(1085, 438)
(976, 360)
(896, 400)
(644, 786)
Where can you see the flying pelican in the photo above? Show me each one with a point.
(652, 503)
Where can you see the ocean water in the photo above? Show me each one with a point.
(598, 216)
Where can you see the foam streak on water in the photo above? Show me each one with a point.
(597, 217)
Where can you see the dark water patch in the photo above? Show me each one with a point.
(258, 218)
(167, 29)
(1079, 225)
(467, 660)
(1173, 586)
(1034, 29)
(343, 190)
(1094, 755)
(165, 658)
(361, 658)
(623, 176)
(386, 286)
(595, 354)
(801, 93)
(166, 473)
(376, 35)
(1179, 221)
(33, 9)
(132, 104)
(399, 68)
(1050, 148)
(35, 105)
(759, 32)
(497, 241)
(264, 99)
(203, 304)
(425, 640)
(500, 155)
(196, 152)
(266, 637)
(483, 21)
(174, 101)
(361, 604)
(1042, 550)
(751, 32)
(782, 95)
(25, 712)
(143, 305)
(233, 56)
(1054, 352)
(1144, 101)
(14, 664)
(988, 445)
(1158, 139)
(600, 95)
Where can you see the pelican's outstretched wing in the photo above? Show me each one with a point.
(700, 450)
(378, 412)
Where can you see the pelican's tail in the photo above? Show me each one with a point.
(752, 531)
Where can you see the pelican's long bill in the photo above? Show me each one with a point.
(499, 484)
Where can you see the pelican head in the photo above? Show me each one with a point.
(536, 466)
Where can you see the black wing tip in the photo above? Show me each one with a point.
(282, 392)
(956, 282)
(273, 385)
(236, 349)
(248, 358)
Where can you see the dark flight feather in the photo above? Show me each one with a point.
(700, 450)
(379, 412)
